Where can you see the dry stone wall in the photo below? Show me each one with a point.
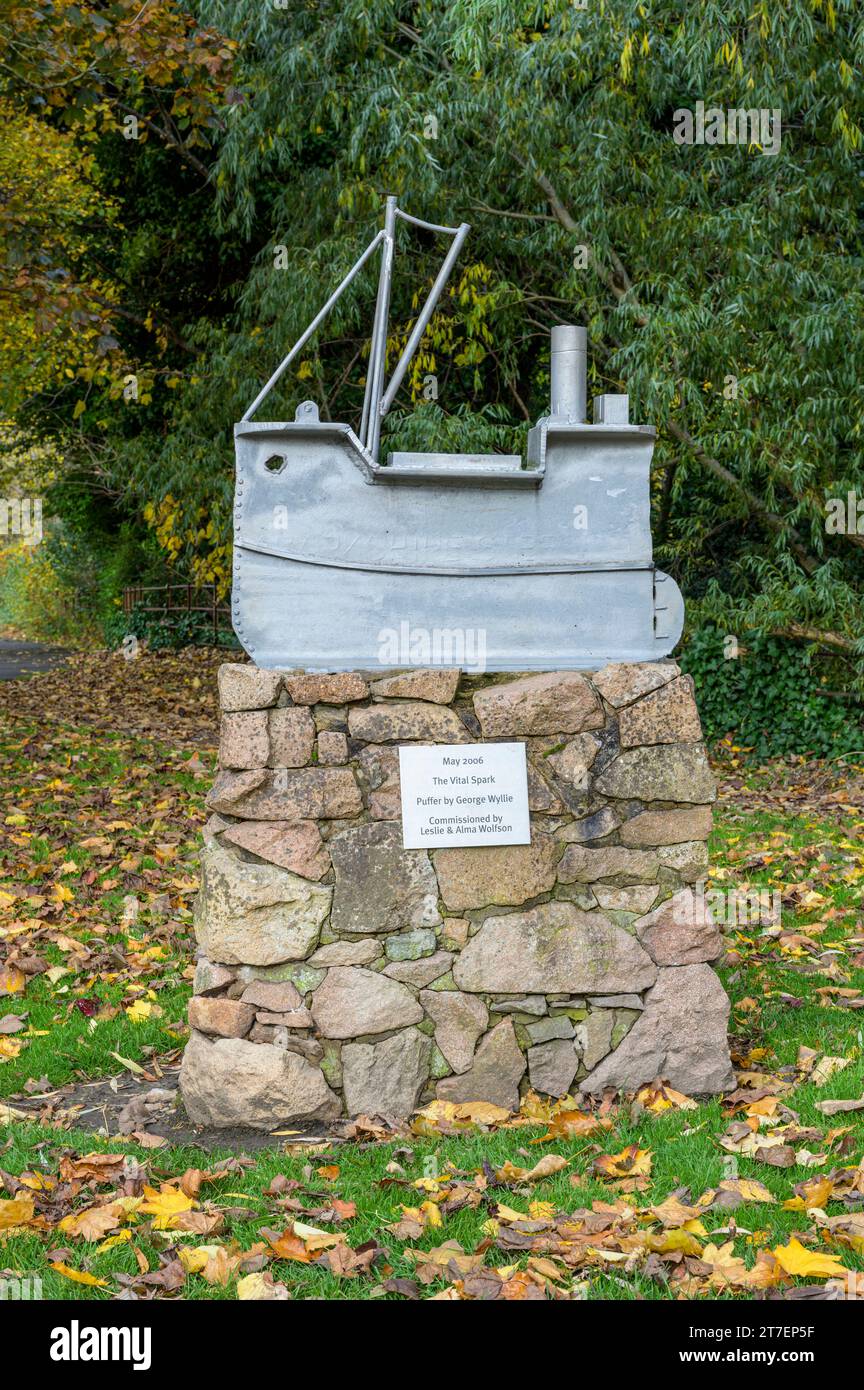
(340, 973)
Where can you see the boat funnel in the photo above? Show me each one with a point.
(569, 364)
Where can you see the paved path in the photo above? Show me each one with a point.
(25, 658)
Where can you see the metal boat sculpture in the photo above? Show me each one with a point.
(489, 562)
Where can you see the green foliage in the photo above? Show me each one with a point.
(428, 428)
(721, 285)
(770, 697)
(166, 633)
(34, 602)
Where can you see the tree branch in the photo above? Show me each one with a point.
(113, 308)
(165, 135)
(511, 385)
(811, 634)
(621, 285)
(522, 216)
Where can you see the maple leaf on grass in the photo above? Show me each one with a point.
(287, 1246)
(631, 1162)
(660, 1096)
(165, 1206)
(17, 1212)
(726, 1267)
(93, 1223)
(572, 1124)
(797, 1260)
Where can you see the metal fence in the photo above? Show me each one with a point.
(169, 601)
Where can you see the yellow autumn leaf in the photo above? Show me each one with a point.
(503, 1213)
(767, 1105)
(813, 1194)
(262, 1288)
(541, 1211)
(140, 1011)
(432, 1184)
(631, 1162)
(811, 900)
(479, 1112)
(17, 1212)
(194, 1258)
(661, 1097)
(812, 1264)
(315, 1239)
(165, 1206)
(666, 1241)
(93, 1222)
(78, 1276)
(549, 1165)
(12, 980)
(749, 1189)
(427, 1214)
(120, 1239)
(726, 1267)
(672, 1212)
(215, 1263)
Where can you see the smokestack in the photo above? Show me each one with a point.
(569, 372)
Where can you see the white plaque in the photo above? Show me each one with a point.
(464, 794)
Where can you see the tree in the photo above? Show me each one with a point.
(55, 320)
(720, 283)
(110, 112)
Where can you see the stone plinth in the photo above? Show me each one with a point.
(341, 974)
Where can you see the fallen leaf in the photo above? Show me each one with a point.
(631, 1162)
(93, 1223)
(287, 1246)
(795, 1259)
(839, 1107)
(659, 1097)
(261, 1287)
(165, 1206)
(572, 1124)
(826, 1068)
(79, 1276)
(17, 1212)
(726, 1268)
(548, 1165)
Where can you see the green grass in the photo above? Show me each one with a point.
(69, 1046)
(683, 1145)
(824, 859)
(65, 786)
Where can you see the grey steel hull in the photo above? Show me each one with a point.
(479, 622)
(341, 563)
